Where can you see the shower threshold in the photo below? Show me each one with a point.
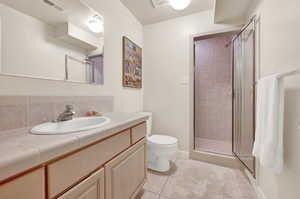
(213, 146)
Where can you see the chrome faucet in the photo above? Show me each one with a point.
(66, 115)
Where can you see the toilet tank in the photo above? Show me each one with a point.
(148, 122)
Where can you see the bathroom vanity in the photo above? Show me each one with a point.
(107, 163)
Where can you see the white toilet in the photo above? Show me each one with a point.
(161, 149)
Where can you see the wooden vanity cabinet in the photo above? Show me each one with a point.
(112, 168)
(125, 175)
(29, 186)
(90, 188)
(71, 169)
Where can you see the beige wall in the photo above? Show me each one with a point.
(118, 22)
(167, 71)
(280, 30)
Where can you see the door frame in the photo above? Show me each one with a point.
(230, 161)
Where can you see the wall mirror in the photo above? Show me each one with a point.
(51, 39)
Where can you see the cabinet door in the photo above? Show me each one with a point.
(91, 188)
(71, 169)
(125, 175)
(138, 132)
(29, 186)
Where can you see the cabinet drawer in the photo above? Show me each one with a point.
(126, 174)
(66, 172)
(138, 132)
(29, 186)
(90, 188)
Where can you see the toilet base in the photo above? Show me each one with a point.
(160, 165)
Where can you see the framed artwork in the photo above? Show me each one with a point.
(132, 64)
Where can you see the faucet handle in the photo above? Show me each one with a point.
(69, 107)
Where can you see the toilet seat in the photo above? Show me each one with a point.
(162, 140)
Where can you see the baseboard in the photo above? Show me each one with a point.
(260, 194)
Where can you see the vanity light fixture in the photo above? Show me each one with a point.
(179, 4)
(95, 24)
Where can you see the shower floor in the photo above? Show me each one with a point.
(214, 146)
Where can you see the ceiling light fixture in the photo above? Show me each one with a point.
(179, 4)
(95, 24)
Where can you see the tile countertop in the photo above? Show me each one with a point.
(20, 150)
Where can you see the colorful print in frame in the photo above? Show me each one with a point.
(132, 64)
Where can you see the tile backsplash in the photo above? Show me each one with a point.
(22, 111)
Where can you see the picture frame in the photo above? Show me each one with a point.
(132, 64)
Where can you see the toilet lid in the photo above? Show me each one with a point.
(162, 139)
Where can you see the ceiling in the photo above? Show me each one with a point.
(230, 12)
(147, 14)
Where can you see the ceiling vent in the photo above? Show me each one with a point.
(54, 5)
(160, 3)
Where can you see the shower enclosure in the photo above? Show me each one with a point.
(224, 95)
(213, 93)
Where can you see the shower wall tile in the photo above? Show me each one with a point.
(213, 89)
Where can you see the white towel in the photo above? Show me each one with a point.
(268, 145)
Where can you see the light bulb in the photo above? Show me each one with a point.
(95, 24)
(179, 4)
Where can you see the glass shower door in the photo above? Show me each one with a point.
(244, 96)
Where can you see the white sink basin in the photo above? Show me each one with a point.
(71, 126)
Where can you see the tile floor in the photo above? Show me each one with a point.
(191, 179)
(215, 146)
